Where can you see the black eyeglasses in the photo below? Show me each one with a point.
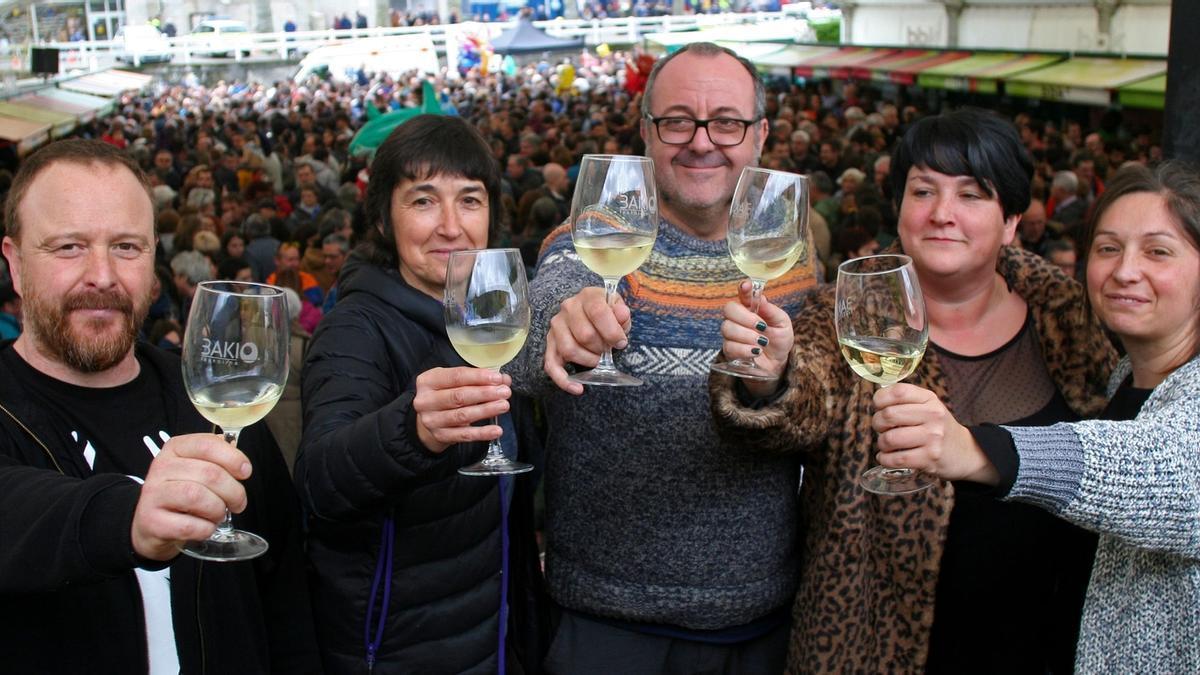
(722, 131)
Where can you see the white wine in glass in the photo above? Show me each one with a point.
(768, 234)
(235, 364)
(883, 361)
(614, 221)
(612, 255)
(486, 304)
(487, 347)
(882, 332)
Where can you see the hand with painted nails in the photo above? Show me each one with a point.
(583, 328)
(449, 400)
(767, 336)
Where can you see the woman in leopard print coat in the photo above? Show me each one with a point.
(870, 563)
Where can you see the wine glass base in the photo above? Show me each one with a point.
(743, 369)
(606, 378)
(500, 467)
(229, 546)
(884, 481)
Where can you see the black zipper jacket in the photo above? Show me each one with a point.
(361, 462)
(69, 598)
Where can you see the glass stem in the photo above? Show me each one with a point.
(226, 527)
(756, 291)
(610, 295)
(893, 473)
(495, 452)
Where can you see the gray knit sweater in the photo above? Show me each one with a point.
(1137, 484)
(650, 517)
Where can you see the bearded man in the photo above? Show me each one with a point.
(104, 469)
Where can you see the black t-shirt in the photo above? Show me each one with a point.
(1012, 576)
(118, 429)
(1075, 547)
(1126, 402)
(115, 430)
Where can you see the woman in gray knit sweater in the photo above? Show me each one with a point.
(1133, 478)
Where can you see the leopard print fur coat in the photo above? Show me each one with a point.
(869, 564)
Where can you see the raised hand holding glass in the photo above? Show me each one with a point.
(235, 364)
(768, 234)
(486, 304)
(882, 332)
(614, 221)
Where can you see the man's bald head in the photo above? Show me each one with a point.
(556, 177)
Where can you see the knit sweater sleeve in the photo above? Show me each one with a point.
(1137, 481)
(559, 275)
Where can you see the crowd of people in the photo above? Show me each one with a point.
(592, 9)
(696, 523)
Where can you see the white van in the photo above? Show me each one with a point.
(138, 44)
(220, 37)
(394, 54)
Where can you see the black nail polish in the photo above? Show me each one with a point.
(760, 326)
(762, 342)
(755, 351)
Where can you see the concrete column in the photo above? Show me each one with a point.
(1181, 133)
(848, 8)
(1104, 15)
(262, 17)
(954, 10)
(1104, 18)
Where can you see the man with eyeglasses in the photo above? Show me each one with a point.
(667, 549)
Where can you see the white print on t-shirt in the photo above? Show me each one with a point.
(154, 449)
(89, 453)
(155, 586)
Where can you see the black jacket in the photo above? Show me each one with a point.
(69, 598)
(360, 461)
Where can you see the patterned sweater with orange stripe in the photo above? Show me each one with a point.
(649, 517)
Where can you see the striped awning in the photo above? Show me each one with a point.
(841, 63)
(1089, 80)
(904, 70)
(981, 73)
(47, 99)
(1148, 93)
(60, 123)
(108, 83)
(25, 134)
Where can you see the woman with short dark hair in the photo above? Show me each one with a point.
(940, 580)
(412, 559)
(1132, 479)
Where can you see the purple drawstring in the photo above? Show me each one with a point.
(505, 486)
(383, 572)
(383, 568)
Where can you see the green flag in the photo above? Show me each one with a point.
(379, 125)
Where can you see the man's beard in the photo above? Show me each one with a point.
(90, 347)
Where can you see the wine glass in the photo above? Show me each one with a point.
(486, 302)
(768, 233)
(235, 363)
(614, 220)
(882, 331)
